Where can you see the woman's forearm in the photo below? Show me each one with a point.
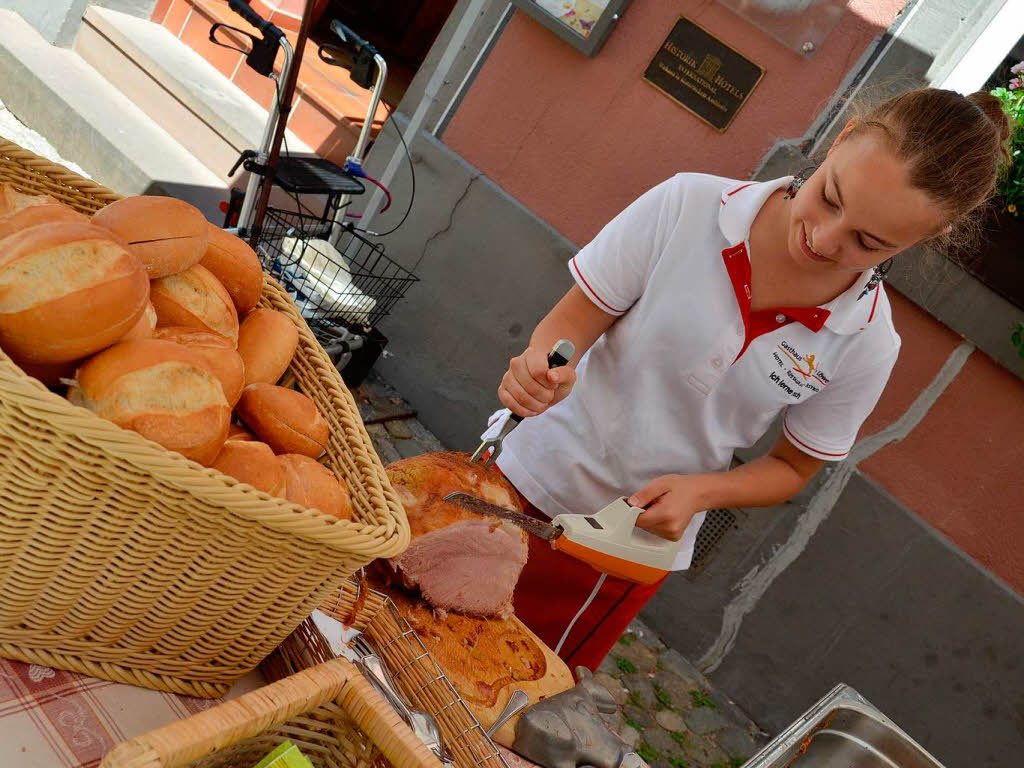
(771, 479)
(575, 318)
(760, 483)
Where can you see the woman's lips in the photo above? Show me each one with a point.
(807, 249)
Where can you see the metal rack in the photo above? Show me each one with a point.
(413, 668)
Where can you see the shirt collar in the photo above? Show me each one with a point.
(740, 204)
(848, 312)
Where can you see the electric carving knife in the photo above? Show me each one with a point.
(608, 540)
(559, 355)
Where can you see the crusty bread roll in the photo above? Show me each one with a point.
(67, 290)
(284, 419)
(12, 200)
(253, 463)
(216, 351)
(161, 390)
(309, 483)
(236, 432)
(235, 264)
(196, 299)
(46, 213)
(167, 234)
(267, 340)
(144, 328)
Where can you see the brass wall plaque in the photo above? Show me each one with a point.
(701, 73)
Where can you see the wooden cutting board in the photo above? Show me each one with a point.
(487, 659)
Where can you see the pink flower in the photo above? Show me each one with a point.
(1017, 68)
(1015, 84)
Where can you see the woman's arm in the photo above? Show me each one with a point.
(528, 387)
(671, 501)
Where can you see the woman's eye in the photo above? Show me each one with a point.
(865, 246)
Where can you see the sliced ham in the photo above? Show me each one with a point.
(458, 560)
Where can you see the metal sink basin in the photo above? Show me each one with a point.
(843, 730)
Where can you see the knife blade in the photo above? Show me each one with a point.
(527, 523)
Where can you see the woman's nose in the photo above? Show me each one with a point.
(825, 238)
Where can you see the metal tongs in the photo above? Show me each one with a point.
(560, 355)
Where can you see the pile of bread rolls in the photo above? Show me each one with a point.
(137, 311)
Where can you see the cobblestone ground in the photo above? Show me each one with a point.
(668, 711)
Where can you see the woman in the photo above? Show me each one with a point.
(703, 311)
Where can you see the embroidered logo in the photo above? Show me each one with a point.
(797, 374)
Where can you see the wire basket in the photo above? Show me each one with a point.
(412, 667)
(344, 283)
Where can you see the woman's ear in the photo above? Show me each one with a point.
(843, 134)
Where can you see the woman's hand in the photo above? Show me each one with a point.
(529, 388)
(669, 503)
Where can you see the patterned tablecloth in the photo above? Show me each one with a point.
(55, 719)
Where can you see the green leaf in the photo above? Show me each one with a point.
(625, 665)
(1017, 339)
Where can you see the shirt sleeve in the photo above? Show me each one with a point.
(826, 425)
(614, 268)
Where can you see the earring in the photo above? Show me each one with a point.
(877, 276)
(793, 188)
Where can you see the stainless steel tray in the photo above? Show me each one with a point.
(843, 730)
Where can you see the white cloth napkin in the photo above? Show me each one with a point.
(496, 423)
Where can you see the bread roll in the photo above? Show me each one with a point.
(12, 200)
(284, 419)
(167, 234)
(46, 213)
(144, 328)
(161, 390)
(221, 360)
(235, 264)
(309, 483)
(236, 432)
(195, 299)
(267, 340)
(67, 290)
(253, 463)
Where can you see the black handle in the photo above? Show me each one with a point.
(241, 7)
(359, 44)
(559, 356)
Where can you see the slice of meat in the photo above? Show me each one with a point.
(470, 567)
(458, 560)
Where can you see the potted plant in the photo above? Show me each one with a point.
(1011, 184)
(999, 262)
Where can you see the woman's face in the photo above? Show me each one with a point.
(858, 209)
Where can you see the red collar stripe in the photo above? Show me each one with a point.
(737, 264)
(878, 290)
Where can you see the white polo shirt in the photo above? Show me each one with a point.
(688, 373)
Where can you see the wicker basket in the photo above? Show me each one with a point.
(412, 667)
(122, 560)
(329, 711)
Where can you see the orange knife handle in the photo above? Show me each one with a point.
(613, 566)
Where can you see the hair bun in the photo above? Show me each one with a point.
(993, 109)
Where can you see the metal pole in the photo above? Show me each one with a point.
(287, 92)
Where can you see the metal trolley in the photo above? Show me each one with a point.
(343, 282)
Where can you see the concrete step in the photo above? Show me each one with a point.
(183, 93)
(54, 91)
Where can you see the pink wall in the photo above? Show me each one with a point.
(576, 139)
